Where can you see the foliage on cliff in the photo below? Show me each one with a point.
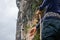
(27, 18)
(35, 5)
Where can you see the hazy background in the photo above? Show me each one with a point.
(8, 17)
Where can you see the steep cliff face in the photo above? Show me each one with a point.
(25, 16)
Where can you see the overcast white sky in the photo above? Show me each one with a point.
(8, 17)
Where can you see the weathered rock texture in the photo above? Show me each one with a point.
(25, 15)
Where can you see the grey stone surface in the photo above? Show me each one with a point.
(24, 15)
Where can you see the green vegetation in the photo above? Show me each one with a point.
(37, 36)
(26, 28)
(35, 5)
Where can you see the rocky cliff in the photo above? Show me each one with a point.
(25, 16)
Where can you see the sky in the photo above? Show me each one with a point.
(8, 18)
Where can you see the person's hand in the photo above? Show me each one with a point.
(32, 32)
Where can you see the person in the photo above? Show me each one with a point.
(50, 21)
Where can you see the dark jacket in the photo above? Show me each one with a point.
(51, 6)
